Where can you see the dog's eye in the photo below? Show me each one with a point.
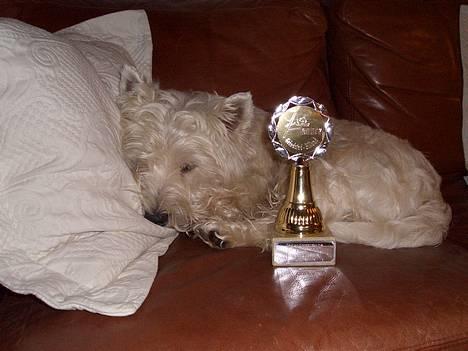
(187, 167)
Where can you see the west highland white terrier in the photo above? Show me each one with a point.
(205, 166)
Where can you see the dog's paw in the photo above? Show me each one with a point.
(216, 240)
(211, 237)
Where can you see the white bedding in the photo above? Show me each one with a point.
(71, 225)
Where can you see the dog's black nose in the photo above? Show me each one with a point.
(160, 218)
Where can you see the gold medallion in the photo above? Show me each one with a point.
(300, 130)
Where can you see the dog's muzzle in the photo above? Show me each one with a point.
(159, 218)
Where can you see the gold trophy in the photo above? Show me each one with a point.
(300, 131)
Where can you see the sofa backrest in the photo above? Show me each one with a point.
(275, 49)
(395, 64)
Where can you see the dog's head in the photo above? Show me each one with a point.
(182, 147)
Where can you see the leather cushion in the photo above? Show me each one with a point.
(395, 65)
(222, 46)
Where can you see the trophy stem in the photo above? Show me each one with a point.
(299, 217)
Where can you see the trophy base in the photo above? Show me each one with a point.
(303, 252)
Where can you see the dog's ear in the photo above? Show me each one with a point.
(129, 79)
(238, 112)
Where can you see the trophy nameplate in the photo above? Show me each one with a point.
(300, 130)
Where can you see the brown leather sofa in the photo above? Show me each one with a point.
(394, 64)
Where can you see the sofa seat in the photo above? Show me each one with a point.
(207, 299)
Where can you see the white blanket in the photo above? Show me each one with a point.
(71, 225)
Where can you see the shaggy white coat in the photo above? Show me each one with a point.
(206, 160)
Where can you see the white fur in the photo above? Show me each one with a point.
(206, 160)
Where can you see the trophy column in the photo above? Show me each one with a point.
(300, 131)
(299, 216)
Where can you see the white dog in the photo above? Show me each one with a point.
(205, 166)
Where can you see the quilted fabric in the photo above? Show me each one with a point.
(71, 230)
(112, 40)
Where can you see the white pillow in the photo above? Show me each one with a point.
(110, 41)
(464, 56)
(71, 230)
